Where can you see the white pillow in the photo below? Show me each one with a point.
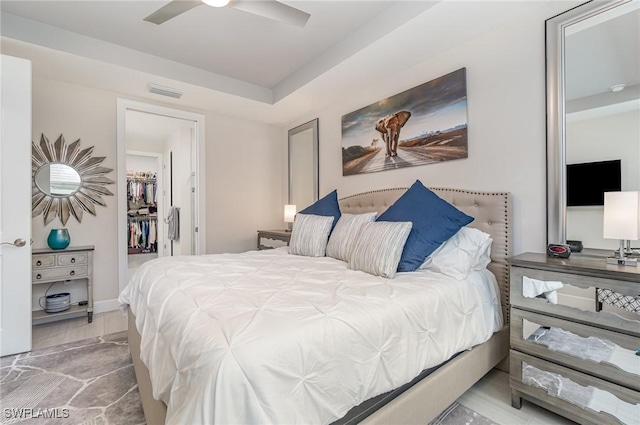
(378, 248)
(310, 234)
(345, 233)
(469, 249)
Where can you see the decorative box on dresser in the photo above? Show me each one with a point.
(566, 356)
(73, 263)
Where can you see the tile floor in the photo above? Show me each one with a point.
(490, 396)
(64, 331)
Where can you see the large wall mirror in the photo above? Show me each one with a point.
(303, 165)
(593, 116)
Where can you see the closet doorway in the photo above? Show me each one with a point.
(145, 205)
(160, 184)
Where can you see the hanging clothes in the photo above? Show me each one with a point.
(174, 224)
(142, 191)
(142, 234)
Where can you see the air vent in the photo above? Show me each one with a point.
(164, 91)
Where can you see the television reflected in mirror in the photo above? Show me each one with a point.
(587, 182)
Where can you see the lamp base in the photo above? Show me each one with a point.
(624, 261)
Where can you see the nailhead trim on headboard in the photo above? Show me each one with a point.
(488, 208)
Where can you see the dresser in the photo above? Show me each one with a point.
(277, 235)
(73, 263)
(565, 355)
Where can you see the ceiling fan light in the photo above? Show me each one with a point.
(216, 3)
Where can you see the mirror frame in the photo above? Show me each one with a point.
(92, 187)
(556, 116)
(313, 125)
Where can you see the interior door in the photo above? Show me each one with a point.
(167, 200)
(15, 206)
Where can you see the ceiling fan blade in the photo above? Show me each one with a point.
(171, 10)
(273, 9)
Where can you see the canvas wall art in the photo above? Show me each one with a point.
(423, 125)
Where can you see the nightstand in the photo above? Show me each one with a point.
(277, 235)
(565, 356)
(73, 263)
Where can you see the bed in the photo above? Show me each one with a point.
(423, 400)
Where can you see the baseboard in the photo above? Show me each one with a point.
(106, 305)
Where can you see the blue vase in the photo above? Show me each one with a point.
(58, 239)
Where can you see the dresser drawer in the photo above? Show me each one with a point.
(600, 352)
(573, 296)
(60, 273)
(43, 260)
(581, 397)
(72, 258)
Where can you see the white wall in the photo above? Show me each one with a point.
(243, 159)
(85, 114)
(600, 139)
(179, 143)
(506, 116)
(245, 175)
(139, 163)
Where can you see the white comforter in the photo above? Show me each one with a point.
(269, 337)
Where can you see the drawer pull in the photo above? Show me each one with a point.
(73, 260)
(72, 272)
(38, 276)
(38, 263)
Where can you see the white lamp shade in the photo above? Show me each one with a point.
(622, 215)
(289, 213)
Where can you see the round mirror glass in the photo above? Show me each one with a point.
(57, 179)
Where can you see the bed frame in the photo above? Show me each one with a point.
(429, 397)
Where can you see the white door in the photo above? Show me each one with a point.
(167, 195)
(15, 206)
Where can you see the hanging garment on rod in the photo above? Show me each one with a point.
(142, 234)
(142, 190)
(173, 224)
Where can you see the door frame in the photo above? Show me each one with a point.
(124, 105)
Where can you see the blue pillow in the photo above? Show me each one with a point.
(434, 222)
(327, 206)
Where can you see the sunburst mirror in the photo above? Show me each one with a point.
(66, 180)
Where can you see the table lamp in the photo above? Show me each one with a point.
(622, 221)
(289, 215)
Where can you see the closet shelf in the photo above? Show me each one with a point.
(143, 180)
(142, 217)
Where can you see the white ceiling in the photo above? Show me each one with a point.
(151, 128)
(603, 53)
(264, 56)
(77, 42)
(417, 33)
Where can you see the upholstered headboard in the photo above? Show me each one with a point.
(491, 211)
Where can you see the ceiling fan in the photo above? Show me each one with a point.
(271, 9)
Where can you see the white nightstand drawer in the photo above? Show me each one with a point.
(573, 297)
(603, 353)
(61, 273)
(43, 260)
(581, 397)
(72, 258)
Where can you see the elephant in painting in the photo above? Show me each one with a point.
(389, 127)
